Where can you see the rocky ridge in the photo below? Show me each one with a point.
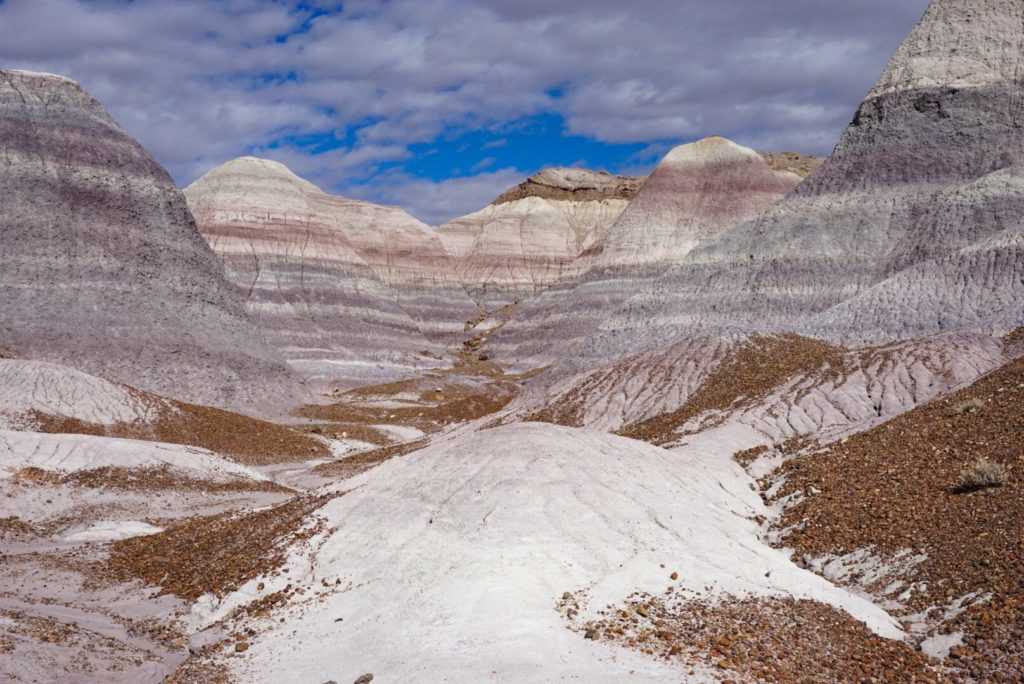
(964, 590)
(576, 184)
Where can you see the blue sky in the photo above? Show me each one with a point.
(440, 105)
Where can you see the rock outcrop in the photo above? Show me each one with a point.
(349, 291)
(914, 226)
(775, 387)
(697, 191)
(102, 267)
(533, 235)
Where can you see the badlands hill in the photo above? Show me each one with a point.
(762, 428)
(697, 191)
(534, 234)
(348, 291)
(912, 227)
(101, 264)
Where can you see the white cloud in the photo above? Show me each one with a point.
(201, 81)
(435, 202)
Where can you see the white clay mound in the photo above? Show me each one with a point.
(55, 390)
(70, 453)
(457, 555)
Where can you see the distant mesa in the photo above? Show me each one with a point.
(794, 162)
(550, 227)
(533, 235)
(574, 184)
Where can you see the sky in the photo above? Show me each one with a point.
(438, 106)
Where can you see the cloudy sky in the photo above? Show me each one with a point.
(439, 105)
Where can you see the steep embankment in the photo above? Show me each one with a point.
(953, 545)
(760, 388)
(47, 397)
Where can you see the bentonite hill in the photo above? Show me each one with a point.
(752, 416)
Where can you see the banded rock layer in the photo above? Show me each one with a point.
(912, 227)
(347, 290)
(534, 234)
(697, 191)
(102, 267)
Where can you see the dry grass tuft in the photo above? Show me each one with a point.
(981, 474)
(968, 406)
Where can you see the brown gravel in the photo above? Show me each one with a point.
(143, 480)
(353, 465)
(748, 456)
(760, 640)
(457, 403)
(356, 431)
(1013, 342)
(13, 526)
(199, 671)
(569, 408)
(755, 369)
(241, 438)
(894, 487)
(86, 653)
(216, 554)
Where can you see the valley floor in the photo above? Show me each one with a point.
(432, 535)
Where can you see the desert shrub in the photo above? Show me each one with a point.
(970, 405)
(980, 475)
